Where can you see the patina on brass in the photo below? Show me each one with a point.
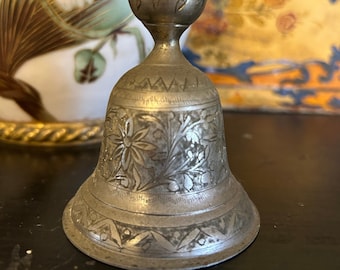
(162, 195)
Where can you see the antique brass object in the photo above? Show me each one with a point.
(55, 134)
(162, 195)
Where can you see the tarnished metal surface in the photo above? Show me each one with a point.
(162, 195)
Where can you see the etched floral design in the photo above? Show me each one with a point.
(169, 151)
(188, 153)
(130, 145)
(124, 161)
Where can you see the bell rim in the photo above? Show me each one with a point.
(129, 261)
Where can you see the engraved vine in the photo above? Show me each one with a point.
(168, 151)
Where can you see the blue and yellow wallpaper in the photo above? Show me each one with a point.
(271, 55)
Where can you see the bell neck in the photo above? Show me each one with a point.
(167, 49)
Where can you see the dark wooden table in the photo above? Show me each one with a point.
(288, 164)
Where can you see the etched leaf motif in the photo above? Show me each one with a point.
(115, 236)
(137, 156)
(188, 183)
(232, 223)
(191, 236)
(129, 127)
(146, 146)
(147, 118)
(110, 226)
(162, 241)
(173, 186)
(138, 239)
(193, 137)
(140, 134)
(137, 178)
(201, 156)
(211, 118)
(223, 225)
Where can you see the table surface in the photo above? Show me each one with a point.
(288, 164)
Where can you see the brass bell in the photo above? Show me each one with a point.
(162, 195)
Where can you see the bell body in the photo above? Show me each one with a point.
(162, 195)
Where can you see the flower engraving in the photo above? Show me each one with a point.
(166, 152)
(129, 148)
(130, 145)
